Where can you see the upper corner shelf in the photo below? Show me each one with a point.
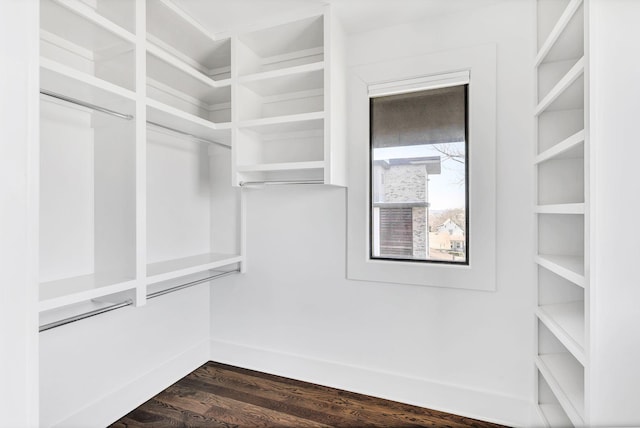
(85, 43)
(82, 25)
(171, 29)
(170, 117)
(186, 92)
(566, 39)
(293, 79)
(180, 77)
(283, 46)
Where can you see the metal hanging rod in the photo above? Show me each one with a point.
(89, 314)
(186, 134)
(86, 104)
(280, 182)
(129, 302)
(190, 284)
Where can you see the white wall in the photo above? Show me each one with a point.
(94, 371)
(18, 293)
(295, 314)
(615, 102)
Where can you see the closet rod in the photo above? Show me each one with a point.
(190, 284)
(186, 134)
(129, 302)
(85, 315)
(275, 182)
(85, 104)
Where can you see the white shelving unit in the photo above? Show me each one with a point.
(562, 209)
(87, 158)
(188, 74)
(145, 197)
(148, 128)
(287, 79)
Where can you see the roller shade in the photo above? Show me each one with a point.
(428, 116)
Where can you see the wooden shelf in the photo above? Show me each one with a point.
(562, 147)
(566, 322)
(554, 416)
(566, 379)
(285, 166)
(170, 269)
(55, 294)
(185, 122)
(563, 27)
(577, 208)
(562, 88)
(81, 25)
(293, 79)
(570, 268)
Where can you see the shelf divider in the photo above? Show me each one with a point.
(553, 415)
(170, 269)
(91, 15)
(281, 120)
(555, 34)
(562, 147)
(570, 268)
(566, 322)
(284, 166)
(572, 75)
(566, 379)
(575, 208)
(56, 294)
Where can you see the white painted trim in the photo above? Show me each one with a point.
(457, 399)
(480, 274)
(115, 404)
(397, 87)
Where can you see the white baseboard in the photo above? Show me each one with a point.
(473, 403)
(118, 403)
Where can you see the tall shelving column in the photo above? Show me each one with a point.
(188, 107)
(288, 109)
(562, 211)
(87, 220)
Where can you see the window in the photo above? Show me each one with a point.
(418, 175)
(471, 234)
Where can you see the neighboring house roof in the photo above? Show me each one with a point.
(433, 163)
(446, 222)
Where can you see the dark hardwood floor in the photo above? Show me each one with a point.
(218, 395)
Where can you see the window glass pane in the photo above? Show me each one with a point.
(419, 176)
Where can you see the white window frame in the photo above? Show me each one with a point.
(413, 74)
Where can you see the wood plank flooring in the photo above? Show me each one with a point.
(219, 395)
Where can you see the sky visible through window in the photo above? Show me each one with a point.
(446, 190)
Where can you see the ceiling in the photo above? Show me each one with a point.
(356, 15)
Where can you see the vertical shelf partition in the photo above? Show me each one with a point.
(562, 207)
(189, 111)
